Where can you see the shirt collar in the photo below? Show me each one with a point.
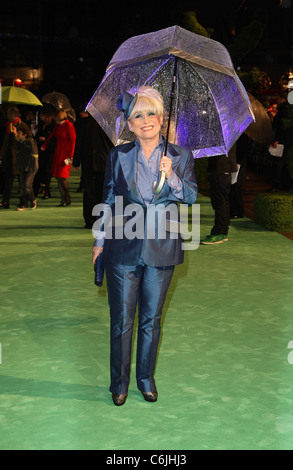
(161, 142)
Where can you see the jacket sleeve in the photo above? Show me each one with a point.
(188, 179)
(99, 229)
(109, 192)
(71, 139)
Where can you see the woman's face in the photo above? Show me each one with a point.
(145, 125)
(61, 118)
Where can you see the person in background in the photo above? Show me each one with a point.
(31, 119)
(45, 129)
(91, 151)
(2, 134)
(27, 164)
(65, 135)
(7, 155)
(236, 193)
(220, 168)
(283, 124)
(2, 125)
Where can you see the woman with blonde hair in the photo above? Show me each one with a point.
(65, 135)
(139, 269)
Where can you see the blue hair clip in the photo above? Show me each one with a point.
(125, 103)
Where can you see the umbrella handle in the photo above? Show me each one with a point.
(158, 185)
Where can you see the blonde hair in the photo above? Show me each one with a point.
(148, 100)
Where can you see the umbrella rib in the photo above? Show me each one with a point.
(149, 79)
(134, 60)
(176, 52)
(200, 61)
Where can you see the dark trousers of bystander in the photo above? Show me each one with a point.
(220, 185)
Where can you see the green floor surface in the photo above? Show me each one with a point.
(224, 372)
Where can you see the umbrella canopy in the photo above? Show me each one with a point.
(17, 95)
(261, 130)
(210, 108)
(60, 101)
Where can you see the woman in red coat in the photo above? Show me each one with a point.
(65, 135)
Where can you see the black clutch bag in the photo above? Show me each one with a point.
(99, 270)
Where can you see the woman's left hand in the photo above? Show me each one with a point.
(166, 165)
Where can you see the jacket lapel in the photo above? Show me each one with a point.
(172, 153)
(128, 162)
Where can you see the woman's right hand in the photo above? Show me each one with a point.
(97, 250)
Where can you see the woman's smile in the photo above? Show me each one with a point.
(147, 128)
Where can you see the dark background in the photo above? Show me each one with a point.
(73, 41)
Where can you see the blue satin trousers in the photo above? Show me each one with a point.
(130, 287)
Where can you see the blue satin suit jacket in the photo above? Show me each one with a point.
(120, 180)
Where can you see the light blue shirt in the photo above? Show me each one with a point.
(147, 173)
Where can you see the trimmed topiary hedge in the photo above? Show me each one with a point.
(274, 211)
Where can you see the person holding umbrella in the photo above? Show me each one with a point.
(139, 270)
(65, 135)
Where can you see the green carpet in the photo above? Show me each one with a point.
(223, 374)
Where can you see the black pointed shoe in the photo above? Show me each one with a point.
(150, 396)
(119, 400)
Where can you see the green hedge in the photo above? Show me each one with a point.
(274, 211)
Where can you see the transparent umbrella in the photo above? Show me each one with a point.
(207, 107)
(56, 99)
(261, 130)
(60, 101)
